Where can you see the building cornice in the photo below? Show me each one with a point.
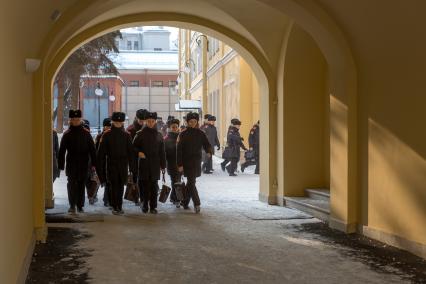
(224, 60)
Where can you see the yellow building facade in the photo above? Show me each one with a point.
(215, 74)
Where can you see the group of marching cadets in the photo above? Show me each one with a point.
(232, 151)
(141, 150)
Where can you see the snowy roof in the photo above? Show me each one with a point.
(152, 60)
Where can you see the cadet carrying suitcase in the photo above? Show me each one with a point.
(165, 191)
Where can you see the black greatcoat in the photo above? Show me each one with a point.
(115, 155)
(254, 138)
(170, 148)
(150, 142)
(234, 142)
(78, 144)
(211, 133)
(190, 142)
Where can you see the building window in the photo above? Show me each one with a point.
(136, 45)
(134, 83)
(172, 84)
(157, 84)
(129, 45)
(158, 49)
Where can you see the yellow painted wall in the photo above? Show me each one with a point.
(305, 160)
(391, 62)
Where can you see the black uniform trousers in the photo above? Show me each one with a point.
(76, 194)
(174, 178)
(141, 191)
(150, 193)
(117, 191)
(207, 163)
(192, 192)
(233, 166)
(107, 194)
(252, 163)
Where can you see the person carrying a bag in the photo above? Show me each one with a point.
(189, 145)
(149, 145)
(170, 148)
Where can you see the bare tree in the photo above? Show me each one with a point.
(90, 59)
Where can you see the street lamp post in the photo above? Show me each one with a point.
(112, 100)
(99, 93)
(81, 85)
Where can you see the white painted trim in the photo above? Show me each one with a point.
(23, 273)
(396, 241)
(224, 60)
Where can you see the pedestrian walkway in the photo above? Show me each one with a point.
(235, 239)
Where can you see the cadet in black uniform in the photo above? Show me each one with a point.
(254, 138)
(234, 143)
(211, 133)
(107, 191)
(170, 148)
(137, 125)
(115, 159)
(204, 157)
(78, 143)
(149, 145)
(189, 146)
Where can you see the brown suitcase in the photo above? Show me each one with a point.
(180, 189)
(165, 191)
(132, 190)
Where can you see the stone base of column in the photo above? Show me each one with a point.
(41, 234)
(49, 203)
(342, 226)
(396, 241)
(27, 261)
(271, 200)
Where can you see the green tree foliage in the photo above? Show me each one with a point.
(90, 59)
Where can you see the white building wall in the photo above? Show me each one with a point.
(160, 100)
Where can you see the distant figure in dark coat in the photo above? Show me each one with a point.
(55, 144)
(254, 138)
(107, 191)
(211, 133)
(232, 150)
(170, 147)
(190, 143)
(149, 145)
(115, 159)
(161, 126)
(80, 148)
(138, 123)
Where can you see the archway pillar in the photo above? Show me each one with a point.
(42, 152)
(343, 153)
(268, 143)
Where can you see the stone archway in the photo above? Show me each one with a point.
(86, 20)
(139, 19)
